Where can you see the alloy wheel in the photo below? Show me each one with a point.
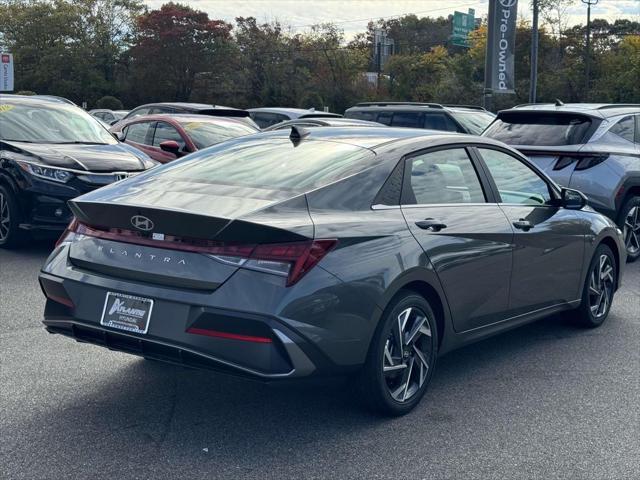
(406, 353)
(601, 286)
(632, 231)
(5, 218)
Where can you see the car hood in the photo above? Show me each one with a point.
(95, 158)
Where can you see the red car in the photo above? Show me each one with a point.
(167, 137)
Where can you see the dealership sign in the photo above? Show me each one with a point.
(501, 45)
(6, 72)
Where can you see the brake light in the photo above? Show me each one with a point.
(591, 161)
(292, 260)
(68, 232)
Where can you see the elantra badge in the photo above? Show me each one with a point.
(142, 223)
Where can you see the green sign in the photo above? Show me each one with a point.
(463, 24)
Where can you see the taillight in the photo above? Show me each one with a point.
(591, 161)
(584, 161)
(292, 260)
(68, 233)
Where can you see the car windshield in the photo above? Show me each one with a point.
(50, 123)
(474, 122)
(205, 133)
(540, 129)
(272, 164)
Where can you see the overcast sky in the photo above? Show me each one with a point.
(352, 15)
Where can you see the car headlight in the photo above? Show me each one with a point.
(47, 173)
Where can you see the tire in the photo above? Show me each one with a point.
(629, 222)
(10, 234)
(597, 295)
(386, 386)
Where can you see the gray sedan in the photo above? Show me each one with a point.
(360, 251)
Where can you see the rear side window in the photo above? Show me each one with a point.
(275, 164)
(266, 119)
(624, 128)
(439, 121)
(385, 118)
(137, 132)
(407, 119)
(441, 177)
(474, 122)
(362, 115)
(541, 129)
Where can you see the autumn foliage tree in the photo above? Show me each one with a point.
(171, 46)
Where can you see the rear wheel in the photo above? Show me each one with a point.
(630, 224)
(598, 290)
(10, 234)
(402, 356)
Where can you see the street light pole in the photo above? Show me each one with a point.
(533, 84)
(587, 61)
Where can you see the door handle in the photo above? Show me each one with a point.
(523, 224)
(430, 224)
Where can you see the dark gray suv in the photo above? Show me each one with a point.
(594, 148)
(362, 251)
(431, 116)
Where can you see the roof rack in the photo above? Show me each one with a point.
(619, 105)
(384, 104)
(473, 107)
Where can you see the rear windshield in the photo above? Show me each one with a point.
(271, 164)
(204, 134)
(543, 129)
(474, 122)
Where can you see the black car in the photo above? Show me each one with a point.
(51, 152)
(182, 108)
(362, 251)
(432, 116)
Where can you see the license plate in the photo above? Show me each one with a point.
(126, 312)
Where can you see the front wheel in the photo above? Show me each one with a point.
(402, 356)
(598, 290)
(630, 224)
(10, 234)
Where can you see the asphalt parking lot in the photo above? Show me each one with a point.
(544, 401)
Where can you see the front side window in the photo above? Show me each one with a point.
(204, 134)
(165, 132)
(362, 115)
(516, 182)
(624, 128)
(137, 132)
(441, 177)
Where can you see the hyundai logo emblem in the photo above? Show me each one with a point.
(141, 223)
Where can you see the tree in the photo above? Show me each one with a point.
(109, 102)
(171, 46)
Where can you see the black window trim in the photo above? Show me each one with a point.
(554, 190)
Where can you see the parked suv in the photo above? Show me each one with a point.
(594, 148)
(433, 116)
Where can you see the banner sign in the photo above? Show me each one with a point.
(501, 45)
(6, 72)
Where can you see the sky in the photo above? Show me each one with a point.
(353, 15)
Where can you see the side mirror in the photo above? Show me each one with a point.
(573, 199)
(118, 136)
(170, 146)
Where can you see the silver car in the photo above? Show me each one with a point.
(594, 148)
